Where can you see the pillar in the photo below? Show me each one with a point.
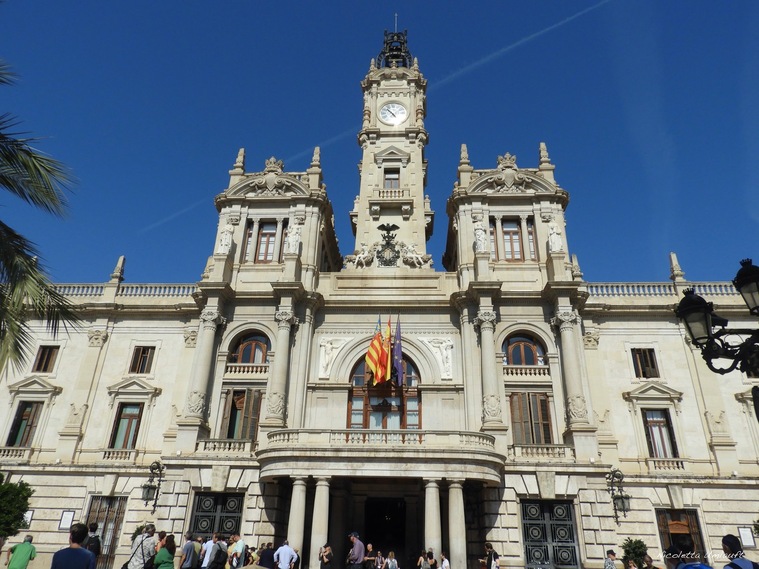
(192, 425)
(320, 522)
(278, 240)
(432, 524)
(580, 433)
(276, 394)
(456, 525)
(339, 531)
(296, 521)
(491, 394)
(252, 245)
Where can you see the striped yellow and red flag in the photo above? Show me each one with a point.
(376, 358)
(386, 345)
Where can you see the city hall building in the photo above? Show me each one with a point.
(525, 399)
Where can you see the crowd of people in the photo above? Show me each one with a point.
(219, 551)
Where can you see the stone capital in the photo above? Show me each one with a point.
(565, 319)
(485, 319)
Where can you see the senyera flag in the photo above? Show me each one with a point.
(376, 356)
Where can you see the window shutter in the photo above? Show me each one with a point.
(671, 433)
(544, 418)
(647, 431)
(252, 411)
(661, 520)
(224, 431)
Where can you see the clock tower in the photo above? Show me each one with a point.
(391, 217)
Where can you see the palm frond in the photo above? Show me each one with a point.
(28, 173)
(26, 292)
(7, 77)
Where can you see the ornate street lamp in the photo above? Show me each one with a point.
(709, 332)
(619, 499)
(152, 488)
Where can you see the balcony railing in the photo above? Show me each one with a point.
(541, 452)
(119, 455)
(665, 464)
(16, 454)
(526, 371)
(371, 437)
(225, 446)
(246, 370)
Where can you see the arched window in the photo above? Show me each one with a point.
(386, 405)
(523, 350)
(251, 349)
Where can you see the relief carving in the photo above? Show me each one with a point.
(577, 409)
(97, 338)
(196, 403)
(491, 408)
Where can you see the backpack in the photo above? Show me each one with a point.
(698, 565)
(425, 563)
(732, 565)
(219, 560)
(92, 543)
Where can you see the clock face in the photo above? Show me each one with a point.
(393, 113)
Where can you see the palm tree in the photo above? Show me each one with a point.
(25, 289)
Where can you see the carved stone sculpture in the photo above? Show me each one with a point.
(577, 408)
(196, 403)
(555, 243)
(480, 237)
(491, 408)
(225, 240)
(292, 243)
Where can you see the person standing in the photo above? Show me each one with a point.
(266, 559)
(611, 557)
(237, 553)
(74, 556)
(22, 554)
(189, 558)
(491, 557)
(164, 559)
(444, 563)
(648, 563)
(325, 557)
(357, 552)
(733, 549)
(205, 552)
(390, 562)
(92, 543)
(369, 557)
(218, 554)
(285, 556)
(144, 548)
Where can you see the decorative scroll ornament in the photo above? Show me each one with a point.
(196, 403)
(273, 181)
(509, 178)
(491, 408)
(591, 339)
(717, 424)
(577, 409)
(97, 338)
(485, 318)
(76, 416)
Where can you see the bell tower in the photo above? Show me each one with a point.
(391, 217)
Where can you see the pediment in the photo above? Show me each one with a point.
(654, 393)
(132, 386)
(34, 383)
(268, 184)
(391, 154)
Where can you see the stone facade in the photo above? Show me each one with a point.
(523, 386)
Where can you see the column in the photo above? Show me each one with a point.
(577, 409)
(525, 237)
(276, 394)
(250, 253)
(491, 394)
(296, 521)
(498, 236)
(320, 522)
(456, 525)
(339, 531)
(278, 243)
(195, 406)
(432, 529)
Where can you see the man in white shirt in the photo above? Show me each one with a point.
(205, 553)
(444, 564)
(285, 556)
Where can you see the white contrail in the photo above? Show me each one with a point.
(172, 216)
(498, 53)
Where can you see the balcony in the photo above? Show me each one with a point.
(246, 371)
(226, 447)
(526, 372)
(665, 464)
(120, 455)
(15, 454)
(381, 453)
(542, 453)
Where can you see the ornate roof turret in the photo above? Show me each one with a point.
(395, 52)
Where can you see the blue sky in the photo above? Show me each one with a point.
(649, 111)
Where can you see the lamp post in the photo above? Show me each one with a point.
(710, 334)
(152, 488)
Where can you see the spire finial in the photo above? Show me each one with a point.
(676, 274)
(239, 166)
(396, 22)
(544, 158)
(316, 160)
(464, 159)
(118, 272)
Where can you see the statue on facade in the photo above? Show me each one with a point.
(364, 257)
(292, 243)
(225, 240)
(555, 244)
(480, 237)
(444, 348)
(411, 257)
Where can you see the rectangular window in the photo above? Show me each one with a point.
(492, 232)
(680, 527)
(512, 241)
(659, 434)
(45, 360)
(142, 359)
(127, 425)
(644, 361)
(241, 415)
(24, 424)
(267, 234)
(392, 179)
(531, 240)
(531, 419)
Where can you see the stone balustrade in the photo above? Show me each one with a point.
(119, 455)
(665, 464)
(157, 290)
(371, 437)
(541, 453)
(526, 371)
(15, 454)
(233, 370)
(705, 289)
(231, 447)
